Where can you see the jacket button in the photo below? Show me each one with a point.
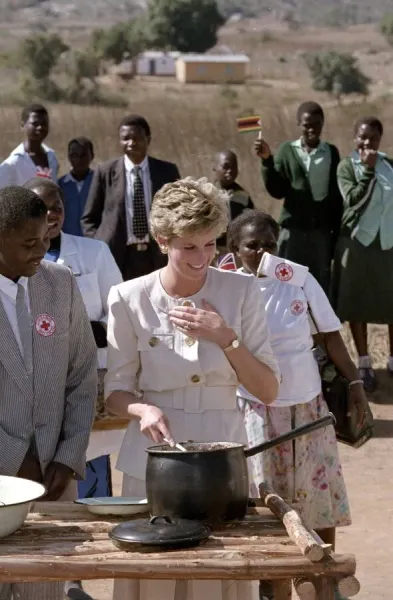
(187, 303)
(153, 341)
(195, 379)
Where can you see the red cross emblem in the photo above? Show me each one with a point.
(284, 272)
(297, 307)
(45, 325)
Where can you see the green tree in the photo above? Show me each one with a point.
(184, 25)
(112, 43)
(39, 54)
(387, 28)
(336, 73)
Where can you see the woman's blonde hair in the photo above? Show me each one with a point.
(188, 206)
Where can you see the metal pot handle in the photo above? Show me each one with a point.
(329, 419)
(167, 519)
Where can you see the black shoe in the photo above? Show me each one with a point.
(369, 379)
(266, 590)
(73, 591)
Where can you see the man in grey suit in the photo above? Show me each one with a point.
(48, 361)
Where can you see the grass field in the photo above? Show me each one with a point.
(191, 123)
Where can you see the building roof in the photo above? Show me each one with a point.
(214, 58)
(152, 54)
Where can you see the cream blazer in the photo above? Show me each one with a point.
(147, 353)
(191, 380)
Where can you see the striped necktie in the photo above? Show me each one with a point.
(140, 226)
(25, 328)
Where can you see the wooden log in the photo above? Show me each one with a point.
(327, 548)
(348, 586)
(305, 589)
(196, 564)
(325, 588)
(303, 538)
(282, 589)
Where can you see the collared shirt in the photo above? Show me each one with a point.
(75, 197)
(291, 333)
(378, 216)
(317, 164)
(147, 189)
(18, 168)
(69, 178)
(8, 292)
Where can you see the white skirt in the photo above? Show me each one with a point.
(134, 589)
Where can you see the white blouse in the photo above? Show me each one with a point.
(191, 380)
(291, 333)
(147, 352)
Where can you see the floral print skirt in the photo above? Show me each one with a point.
(306, 470)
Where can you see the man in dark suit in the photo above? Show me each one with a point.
(118, 206)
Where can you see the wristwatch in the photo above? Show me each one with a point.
(235, 344)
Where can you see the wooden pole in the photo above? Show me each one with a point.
(327, 548)
(303, 538)
(348, 586)
(325, 587)
(282, 589)
(304, 588)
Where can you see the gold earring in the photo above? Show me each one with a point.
(164, 249)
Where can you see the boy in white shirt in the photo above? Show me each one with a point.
(32, 158)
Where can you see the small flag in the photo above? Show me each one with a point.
(227, 263)
(282, 270)
(249, 124)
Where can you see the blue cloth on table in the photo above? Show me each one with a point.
(74, 202)
(98, 481)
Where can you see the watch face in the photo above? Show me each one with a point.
(236, 343)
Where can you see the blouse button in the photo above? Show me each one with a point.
(153, 341)
(195, 379)
(187, 303)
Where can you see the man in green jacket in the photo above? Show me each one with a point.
(304, 174)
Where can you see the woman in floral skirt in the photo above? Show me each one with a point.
(307, 470)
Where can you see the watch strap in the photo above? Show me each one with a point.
(235, 344)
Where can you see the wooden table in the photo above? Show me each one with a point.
(62, 541)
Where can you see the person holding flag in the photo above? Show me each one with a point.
(304, 174)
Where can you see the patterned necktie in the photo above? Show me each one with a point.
(140, 227)
(25, 329)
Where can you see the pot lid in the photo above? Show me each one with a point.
(160, 531)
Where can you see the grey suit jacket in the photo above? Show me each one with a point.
(57, 405)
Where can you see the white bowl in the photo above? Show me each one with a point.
(115, 505)
(16, 495)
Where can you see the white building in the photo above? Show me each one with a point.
(156, 63)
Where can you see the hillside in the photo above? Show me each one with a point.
(332, 13)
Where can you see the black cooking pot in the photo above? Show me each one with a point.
(209, 482)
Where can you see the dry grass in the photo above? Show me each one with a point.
(191, 123)
(189, 128)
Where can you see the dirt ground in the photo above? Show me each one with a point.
(368, 475)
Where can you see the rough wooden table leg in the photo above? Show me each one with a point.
(325, 587)
(348, 586)
(282, 589)
(305, 588)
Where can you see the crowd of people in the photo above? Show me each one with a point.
(106, 293)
